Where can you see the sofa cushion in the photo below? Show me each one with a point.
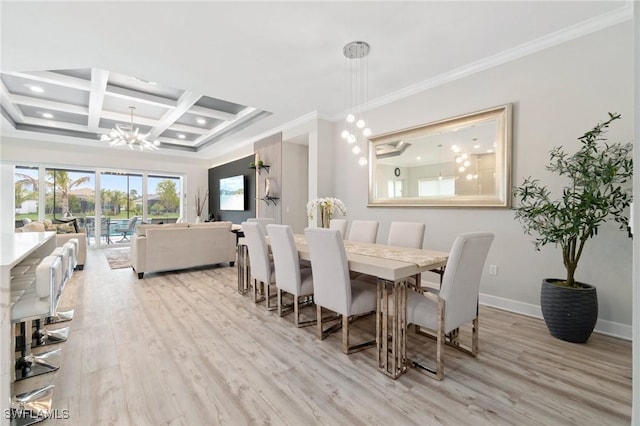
(34, 227)
(219, 224)
(141, 230)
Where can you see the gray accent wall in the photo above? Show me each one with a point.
(233, 168)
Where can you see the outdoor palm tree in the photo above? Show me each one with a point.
(58, 181)
(62, 184)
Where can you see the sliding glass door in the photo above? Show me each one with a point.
(164, 198)
(121, 200)
(69, 193)
(103, 202)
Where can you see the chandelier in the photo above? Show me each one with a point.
(356, 129)
(130, 136)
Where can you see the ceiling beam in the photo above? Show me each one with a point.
(126, 118)
(47, 104)
(43, 122)
(140, 97)
(185, 102)
(212, 113)
(222, 126)
(8, 105)
(188, 129)
(99, 80)
(54, 78)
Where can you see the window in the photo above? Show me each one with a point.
(69, 193)
(164, 198)
(436, 187)
(56, 193)
(26, 183)
(121, 195)
(394, 186)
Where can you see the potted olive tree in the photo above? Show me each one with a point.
(597, 189)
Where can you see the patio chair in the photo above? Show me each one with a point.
(105, 231)
(128, 230)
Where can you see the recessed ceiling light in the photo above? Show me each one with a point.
(201, 120)
(47, 115)
(418, 158)
(181, 136)
(36, 89)
(476, 146)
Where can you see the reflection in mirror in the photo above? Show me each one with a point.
(463, 161)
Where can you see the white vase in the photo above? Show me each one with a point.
(198, 219)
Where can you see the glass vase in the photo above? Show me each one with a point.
(325, 217)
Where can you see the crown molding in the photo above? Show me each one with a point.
(581, 29)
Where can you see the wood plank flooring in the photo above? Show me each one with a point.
(183, 348)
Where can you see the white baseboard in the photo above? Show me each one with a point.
(609, 328)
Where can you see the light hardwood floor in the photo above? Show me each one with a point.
(183, 348)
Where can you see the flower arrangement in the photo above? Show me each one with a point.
(200, 202)
(328, 205)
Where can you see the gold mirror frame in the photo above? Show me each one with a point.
(463, 161)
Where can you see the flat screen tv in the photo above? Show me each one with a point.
(232, 193)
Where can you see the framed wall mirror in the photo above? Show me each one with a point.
(463, 161)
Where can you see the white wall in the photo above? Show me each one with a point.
(557, 94)
(295, 185)
(21, 151)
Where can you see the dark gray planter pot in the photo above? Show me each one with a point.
(570, 313)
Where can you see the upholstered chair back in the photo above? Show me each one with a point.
(365, 231)
(331, 282)
(340, 225)
(406, 234)
(285, 258)
(461, 281)
(258, 251)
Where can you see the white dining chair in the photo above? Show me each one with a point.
(290, 278)
(406, 234)
(365, 231)
(340, 225)
(262, 271)
(263, 221)
(443, 311)
(334, 289)
(401, 234)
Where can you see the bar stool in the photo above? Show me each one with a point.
(37, 300)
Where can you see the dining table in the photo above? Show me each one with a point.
(394, 268)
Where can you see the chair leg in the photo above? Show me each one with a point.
(345, 338)
(320, 332)
(345, 334)
(296, 310)
(257, 287)
(319, 321)
(268, 296)
(438, 373)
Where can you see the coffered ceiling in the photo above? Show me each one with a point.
(247, 69)
(88, 103)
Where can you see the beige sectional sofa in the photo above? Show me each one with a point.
(180, 245)
(62, 238)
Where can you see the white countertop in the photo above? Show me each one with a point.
(15, 247)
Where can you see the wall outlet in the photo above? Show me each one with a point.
(493, 269)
